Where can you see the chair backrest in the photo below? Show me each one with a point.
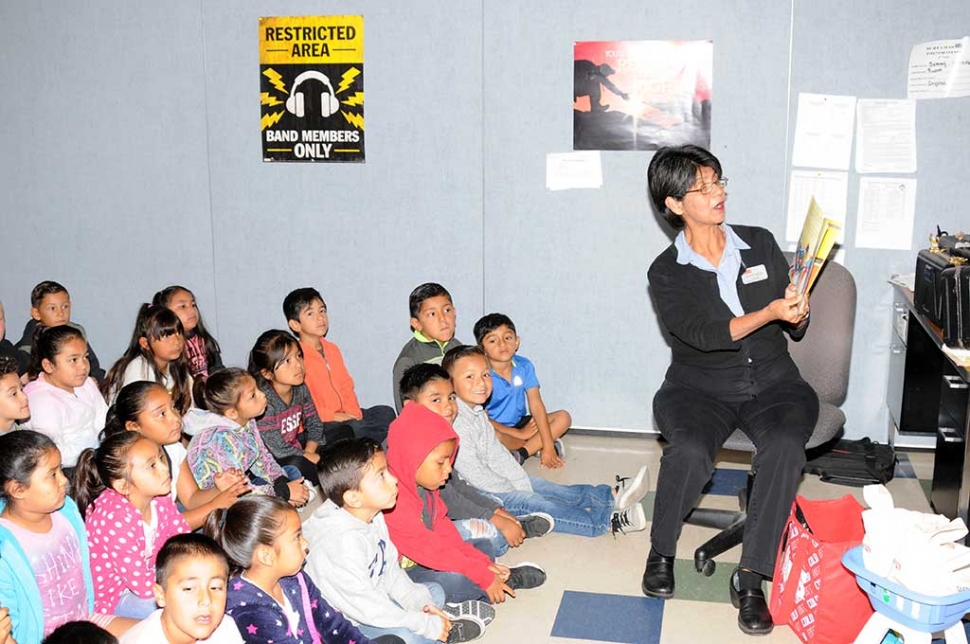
(824, 353)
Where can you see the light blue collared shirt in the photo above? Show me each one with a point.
(726, 270)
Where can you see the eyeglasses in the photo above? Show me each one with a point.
(708, 188)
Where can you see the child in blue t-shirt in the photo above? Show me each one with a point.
(515, 409)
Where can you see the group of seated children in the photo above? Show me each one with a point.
(402, 548)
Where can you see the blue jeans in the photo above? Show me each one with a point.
(130, 605)
(409, 637)
(458, 587)
(499, 544)
(585, 510)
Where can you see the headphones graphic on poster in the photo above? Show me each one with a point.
(329, 105)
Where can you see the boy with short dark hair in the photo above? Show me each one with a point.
(421, 448)
(515, 408)
(191, 579)
(50, 305)
(430, 385)
(327, 378)
(433, 325)
(354, 563)
(13, 400)
(587, 510)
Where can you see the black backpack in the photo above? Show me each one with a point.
(857, 463)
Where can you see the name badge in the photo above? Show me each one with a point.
(754, 274)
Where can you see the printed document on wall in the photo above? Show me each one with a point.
(823, 131)
(831, 192)
(885, 136)
(886, 209)
(939, 69)
(565, 170)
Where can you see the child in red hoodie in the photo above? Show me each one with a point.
(421, 448)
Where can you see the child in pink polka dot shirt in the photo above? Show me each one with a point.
(128, 521)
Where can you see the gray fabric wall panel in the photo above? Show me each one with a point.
(363, 234)
(132, 160)
(104, 179)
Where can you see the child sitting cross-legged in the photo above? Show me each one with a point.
(421, 448)
(585, 510)
(354, 563)
(515, 408)
(191, 578)
(225, 438)
(327, 377)
(270, 598)
(476, 514)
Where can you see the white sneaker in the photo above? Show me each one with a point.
(630, 492)
(630, 520)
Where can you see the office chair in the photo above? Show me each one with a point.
(822, 357)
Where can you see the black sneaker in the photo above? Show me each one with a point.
(537, 524)
(478, 609)
(465, 629)
(517, 456)
(526, 575)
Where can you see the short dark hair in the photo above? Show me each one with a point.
(417, 377)
(186, 546)
(457, 353)
(672, 172)
(489, 323)
(79, 632)
(47, 287)
(344, 467)
(296, 301)
(424, 292)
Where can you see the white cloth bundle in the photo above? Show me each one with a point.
(914, 549)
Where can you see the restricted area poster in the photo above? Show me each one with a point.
(311, 88)
(641, 95)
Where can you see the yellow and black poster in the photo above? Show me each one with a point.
(311, 88)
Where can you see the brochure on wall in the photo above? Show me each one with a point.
(940, 69)
(886, 210)
(830, 191)
(885, 136)
(823, 131)
(574, 170)
(814, 246)
(311, 88)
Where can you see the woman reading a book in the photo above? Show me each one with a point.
(724, 295)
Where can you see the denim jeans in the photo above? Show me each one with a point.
(585, 510)
(409, 637)
(458, 587)
(131, 605)
(483, 529)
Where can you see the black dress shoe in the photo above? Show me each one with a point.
(658, 578)
(753, 615)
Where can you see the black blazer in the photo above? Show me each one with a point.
(690, 307)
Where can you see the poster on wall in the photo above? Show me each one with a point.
(641, 95)
(311, 88)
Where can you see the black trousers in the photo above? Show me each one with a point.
(373, 425)
(779, 421)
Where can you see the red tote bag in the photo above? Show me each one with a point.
(812, 592)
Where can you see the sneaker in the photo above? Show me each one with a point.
(560, 449)
(537, 524)
(630, 520)
(630, 492)
(527, 575)
(465, 629)
(517, 456)
(474, 608)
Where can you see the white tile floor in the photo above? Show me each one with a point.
(615, 565)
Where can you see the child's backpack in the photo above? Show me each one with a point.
(853, 462)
